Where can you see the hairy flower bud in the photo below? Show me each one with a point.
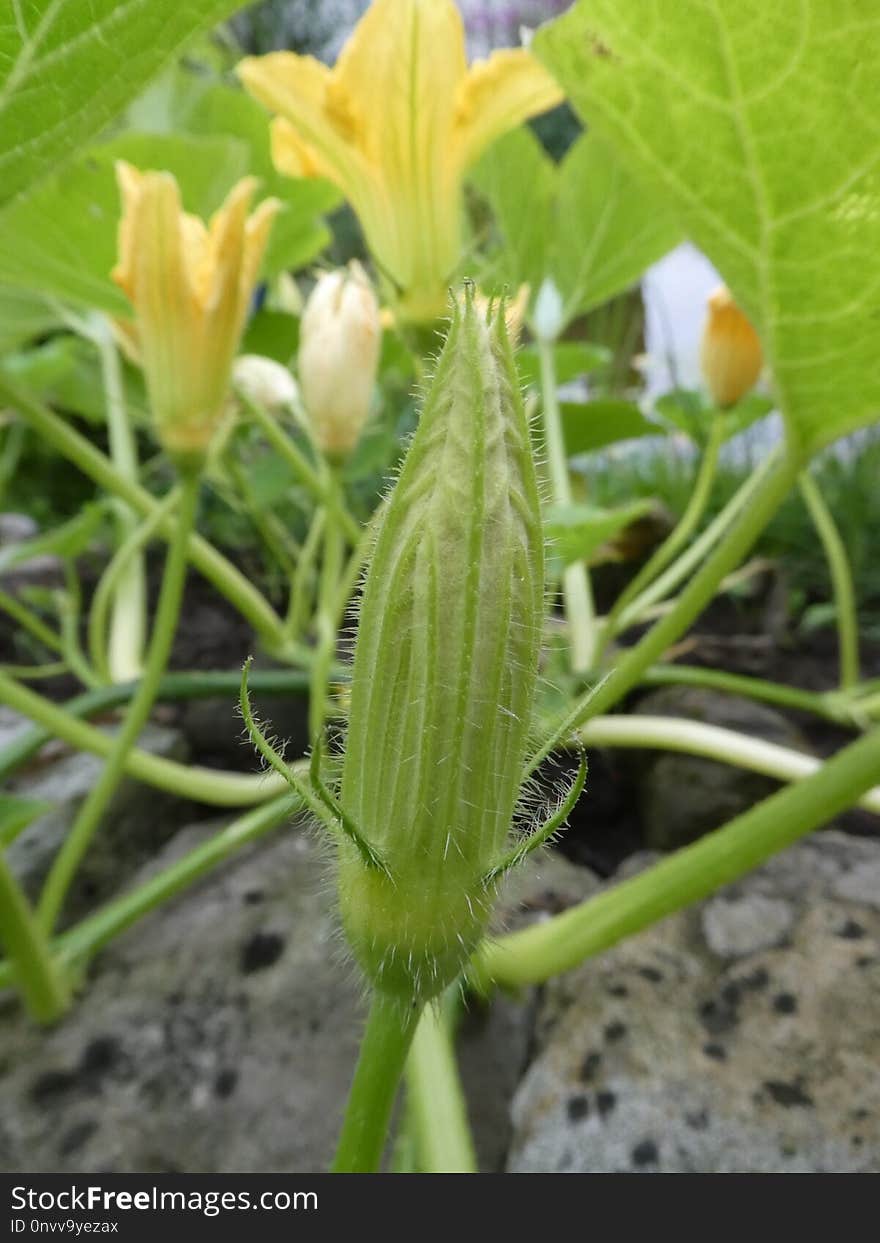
(444, 672)
(730, 355)
(340, 338)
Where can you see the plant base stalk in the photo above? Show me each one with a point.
(390, 1028)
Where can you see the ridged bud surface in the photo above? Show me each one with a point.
(444, 671)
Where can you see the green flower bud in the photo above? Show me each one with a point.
(444, 672)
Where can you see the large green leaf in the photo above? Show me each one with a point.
(68, 67)
(575, 532)
(585, 223)
(760, 123)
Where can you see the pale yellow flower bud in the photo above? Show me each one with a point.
(265, 382)
(730, 355)
(340, 336)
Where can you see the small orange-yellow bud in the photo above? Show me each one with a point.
(340, 337)
(730, 356)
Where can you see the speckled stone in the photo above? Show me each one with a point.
(662, 1055)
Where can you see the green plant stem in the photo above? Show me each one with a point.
(164, 626)
(632, 664)
(110, 590)
(667, 581)
(204, 785)
(65, 722)
(128, 620)
(29, 621)
(845, 610)
(311, 477)
(752, 688)
(327, 617)
(682, 532)
(564, 941)
(31, 965)
(713, 742)
(390, 1029)
(576, 590)
(300, 587)
(213, 565)
(74, 947)
(436, 1107)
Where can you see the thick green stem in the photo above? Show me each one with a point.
(31, 966)
(563, 942)
(736, 543)
(680, 535)
(164, 626)
(576, 590)
(713, 742)
(845, 610)
(390, 1029)
(128, 621)
(213, 565)
(667, 581)
(436, 1107)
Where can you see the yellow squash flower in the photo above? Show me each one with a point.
(395, 124)
(730, 353)
(190, 286)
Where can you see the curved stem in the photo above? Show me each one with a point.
(752, 688)
(32, 969)
(564, 941)
(436, 1106)
(110, 590)
(229, 581)
(128, 623)
(576, 590)
(29, 621)
(712, 742)
(702, 545)
(843, 590)
(682, 532)
(300, 593)
(633, 663)
(164, 625)
(327, 619)
(390, 1028)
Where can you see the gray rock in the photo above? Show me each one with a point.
(43, 570)
(220, 1033)
(662, 1056)
(138, 821)
(682, 796)
(734, 926)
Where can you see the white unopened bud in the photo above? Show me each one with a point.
(265, 382)
(340, 335)
(549, 315)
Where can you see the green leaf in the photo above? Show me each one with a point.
(590, 425)
(66, 372)
(575, 531)
(758, 122)
(585, 222)
(67, 68)
(572, 359)
(61, 238)
(23, 317)
(16, 814)
(274, 334)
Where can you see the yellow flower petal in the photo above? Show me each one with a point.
(499, 94)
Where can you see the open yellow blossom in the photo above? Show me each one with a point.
(190, 286)
(395, 124)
